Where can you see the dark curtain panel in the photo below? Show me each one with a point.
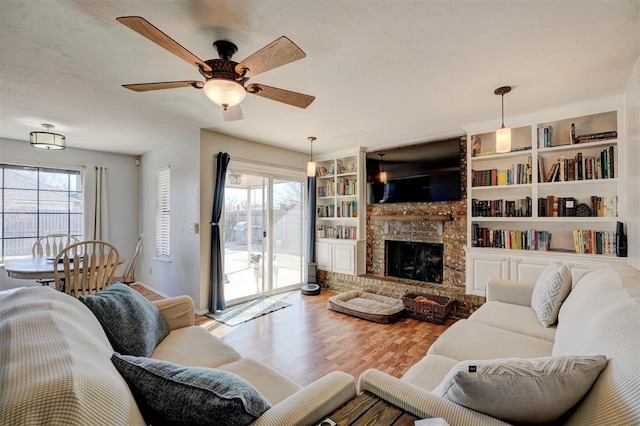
(216, 275)
(311, 214)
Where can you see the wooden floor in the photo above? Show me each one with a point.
(305, 341)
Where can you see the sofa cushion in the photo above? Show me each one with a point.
(522, 390)
(552, 287)
(429, 371)
(516, 318)
(55, 364)
(195, 346)
(272, 385)
(473, 340)
(172, 394)
(133, 325)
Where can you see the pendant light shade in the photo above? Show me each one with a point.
(48, 140)
(503, 134)
(383, 174)
(311, 165)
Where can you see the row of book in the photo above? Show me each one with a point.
(347, 186)
(341, 232)
(594, 242)
(531, 239)
(327, 189)
(345, 209)
(603, 166)
(516, 175)
(501, 208)
(552, 206)
(595, 137)
(544, 136)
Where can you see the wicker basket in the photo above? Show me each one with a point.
(436, 314)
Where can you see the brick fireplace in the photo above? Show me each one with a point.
(433, 223)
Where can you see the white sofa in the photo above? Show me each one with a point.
(55, 366)
(601, 316)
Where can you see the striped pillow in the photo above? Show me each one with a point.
(552, 287)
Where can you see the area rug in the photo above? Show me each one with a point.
(247, 311)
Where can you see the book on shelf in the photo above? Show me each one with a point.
(589, 241)
(545, 135)
(581, 167)
(595, 137)
(530, 239)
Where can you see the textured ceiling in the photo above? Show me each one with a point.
(383, 72)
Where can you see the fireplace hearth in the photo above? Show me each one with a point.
(414, 260)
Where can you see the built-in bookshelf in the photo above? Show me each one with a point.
(556, 194)
(340, 213)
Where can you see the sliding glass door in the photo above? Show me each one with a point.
(263, 235)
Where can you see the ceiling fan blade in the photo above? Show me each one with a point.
(278, 53)
(148, 30)
(233, 113)
(145, 87)
(296, 99)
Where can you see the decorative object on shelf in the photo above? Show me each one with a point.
(583, 210)
(383, 174)
(47, 139)
(503, 134)
(573, 133)
(476, 145)
(311, 165)
(621, 240)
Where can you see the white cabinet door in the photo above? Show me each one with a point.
(344, 258)
(323, 255)
(528, 269)
(482, 267)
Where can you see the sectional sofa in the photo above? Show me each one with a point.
(56, 367)
(599, 319)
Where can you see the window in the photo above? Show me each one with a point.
(163, 212)
(37, 201)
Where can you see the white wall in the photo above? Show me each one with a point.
(122, 189)
(181, 274)
(632, 132)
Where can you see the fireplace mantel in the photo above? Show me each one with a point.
(414, 218)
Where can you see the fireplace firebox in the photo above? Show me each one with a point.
(414, 261)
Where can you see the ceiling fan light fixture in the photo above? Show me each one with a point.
(47, 139)
(503, 134)
(224, 92)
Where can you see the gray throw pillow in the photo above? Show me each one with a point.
(171, 394)
(133, 324)
(552, 287)
(536, 390)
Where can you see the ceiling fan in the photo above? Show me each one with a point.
(225, 79)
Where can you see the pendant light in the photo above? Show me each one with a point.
(311, 165)
(48, 140)
(503, 134)
(383, 174)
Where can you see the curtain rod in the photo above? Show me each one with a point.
(263, 163)
(22, 162)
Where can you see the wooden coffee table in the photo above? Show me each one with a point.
(368, 409)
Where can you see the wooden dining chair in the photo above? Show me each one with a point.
(129, 275)
(89, 266)
(49, 246)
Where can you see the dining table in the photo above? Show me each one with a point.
(35, 268)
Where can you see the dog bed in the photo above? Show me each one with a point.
(372, 307)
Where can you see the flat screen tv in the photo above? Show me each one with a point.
(415, 173)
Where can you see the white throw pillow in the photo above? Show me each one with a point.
(536, 390)
(552, 287)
